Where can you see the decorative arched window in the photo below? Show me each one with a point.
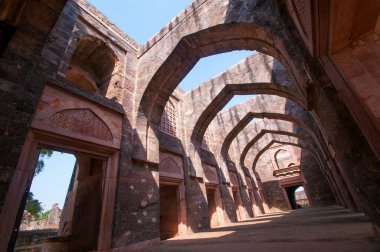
(206, 141)
(168, 123)
(91, 65)
(283, 158)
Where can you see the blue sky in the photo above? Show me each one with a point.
(50, 186)
(299, 189)
(209, 67)
(140, 19)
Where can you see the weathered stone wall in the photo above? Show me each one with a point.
(21, 88)
(40, 50)
(346, 49)
(32, 240)
(319, 191)
(139, 203)
(51, 222)
(275, 196)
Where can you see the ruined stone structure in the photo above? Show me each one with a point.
(51, 222)
(32, 233)
(155, 162)
(301, 199)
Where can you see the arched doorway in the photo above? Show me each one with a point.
(297, 197)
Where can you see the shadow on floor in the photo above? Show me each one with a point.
(312, 229)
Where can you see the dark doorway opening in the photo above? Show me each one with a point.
(168, 211)
(235, 194)
(87, 204)
(212, 214)
(297, 197)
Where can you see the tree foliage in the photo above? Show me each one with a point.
(33, 206)
(40, 163)
(44, 215)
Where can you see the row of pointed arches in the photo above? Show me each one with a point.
(293, 103)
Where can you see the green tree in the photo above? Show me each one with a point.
(33, 206)
(40, 163)
(44, 215)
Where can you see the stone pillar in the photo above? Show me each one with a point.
(197, 208)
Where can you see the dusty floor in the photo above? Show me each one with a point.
(313, 229)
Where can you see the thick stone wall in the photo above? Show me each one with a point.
(21, 89)
(138, 200)
(275, 197)
(32, 240)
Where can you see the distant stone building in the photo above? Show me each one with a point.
(301, 198)
(33, 232)
(28, 222)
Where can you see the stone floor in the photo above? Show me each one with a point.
(312, 229)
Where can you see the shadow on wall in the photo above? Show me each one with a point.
(319, 191)
(246, 200)
(196, 202)
(229, 207)
(282, 75)
(137, 210)
(275, 196)
(317, 186)
(258, 193)
(137, 205)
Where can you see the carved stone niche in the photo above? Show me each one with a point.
(64, 114)
(211, 175)
(171, 165)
